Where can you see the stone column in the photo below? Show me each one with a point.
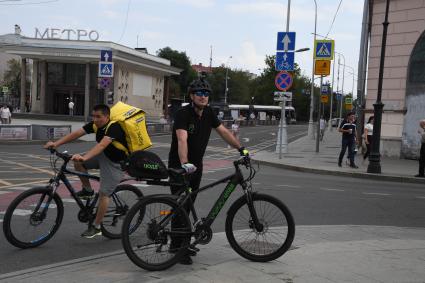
(87, 94)
(34, 86)
(23, 84)
(43, 78)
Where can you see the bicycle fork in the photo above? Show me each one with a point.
(255, 221)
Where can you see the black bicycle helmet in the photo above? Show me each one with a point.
(199, 85)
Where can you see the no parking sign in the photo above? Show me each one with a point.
(283, 81)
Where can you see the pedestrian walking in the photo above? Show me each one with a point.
(421, 131)
(235, 131)
(322, 128)
(348, 130)
(71, 108)
(368, 136)
(5, 114)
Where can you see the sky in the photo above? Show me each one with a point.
(245, 30)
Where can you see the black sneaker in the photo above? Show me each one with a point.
(339, 164)
(91, 232)
(354, 166)
(85, 194)
(186, 260)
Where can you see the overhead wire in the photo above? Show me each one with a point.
(125, 22)
(333, 21)
(4, 2)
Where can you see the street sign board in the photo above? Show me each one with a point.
(106, 55)
(106, 70)
(348, 100)
(283, 81)
(285, 61)
(348, 107)
(285, 41)
(325, 89)
(324, 98)
(324, 49)
(5, 89)
(278, 95)
(338, 96)
(105, 83)
(322, 67)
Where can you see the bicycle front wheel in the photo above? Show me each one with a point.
(148, 233)
(123, 198)
(28, 222)
(268, 242)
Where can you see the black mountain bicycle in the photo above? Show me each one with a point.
(259, 227)
(35, 215)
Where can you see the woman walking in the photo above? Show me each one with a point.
(368, 136)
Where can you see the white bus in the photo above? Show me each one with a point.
(263, 111)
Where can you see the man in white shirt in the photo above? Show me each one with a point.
(322, 128)
(71, 108)
(5, 114)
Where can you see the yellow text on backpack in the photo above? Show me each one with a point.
(132, 121)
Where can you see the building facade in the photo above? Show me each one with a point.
(403, 91)
(62, 70)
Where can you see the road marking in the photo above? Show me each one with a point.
(377, 194)
(1, 220)
(256, 184)
(29, 167)
(22, 184)
(141, 185)
(19, 212)
(19, 188)
(421, 197)
(69, 200)
(288, 186)
(4, 192)
(327, 189)
(5, 182)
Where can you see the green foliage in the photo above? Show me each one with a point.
(178, 83)
(12, 76)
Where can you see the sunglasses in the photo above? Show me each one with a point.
(202, 93)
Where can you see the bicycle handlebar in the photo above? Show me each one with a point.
(65, 156)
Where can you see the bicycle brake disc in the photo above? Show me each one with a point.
(204, 236)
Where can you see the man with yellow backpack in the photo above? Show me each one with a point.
(114, 143)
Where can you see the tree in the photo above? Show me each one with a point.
(178, 83)
(12, 76)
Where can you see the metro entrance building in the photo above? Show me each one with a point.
(64, 70)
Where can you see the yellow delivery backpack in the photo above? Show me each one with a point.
(132, 121)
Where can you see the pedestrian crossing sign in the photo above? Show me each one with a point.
(106, 69)
(324, 49)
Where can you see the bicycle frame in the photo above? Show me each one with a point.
(232, 181)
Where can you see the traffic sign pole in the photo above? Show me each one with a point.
(282, 123)
(318, 119)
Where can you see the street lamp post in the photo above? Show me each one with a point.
(332, 98)
(227, 75)
(342, 87)
(375, 157)
(310, 121)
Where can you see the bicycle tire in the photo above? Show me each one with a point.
(271, 251)
(138, 237)
(20, 211)
(114, 217)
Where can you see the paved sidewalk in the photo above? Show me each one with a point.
(319, 254)
(302, 156)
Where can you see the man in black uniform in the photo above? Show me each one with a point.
(104, 156)
(191, 133)
(348, 130)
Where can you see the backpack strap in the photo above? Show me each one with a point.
(116, 144)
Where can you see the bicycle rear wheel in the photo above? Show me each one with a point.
(28, 222)
(268, 243)
(123, 198)
(147, 233)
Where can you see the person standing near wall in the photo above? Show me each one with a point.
(421, 131)
(368, 136)
(71, 108)
(6, 116)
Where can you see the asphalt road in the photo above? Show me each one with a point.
(313, 199)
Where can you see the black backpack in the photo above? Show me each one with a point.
(145, 165)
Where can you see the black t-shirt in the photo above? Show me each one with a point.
(345, 125)
(116, 133)
(198, 130)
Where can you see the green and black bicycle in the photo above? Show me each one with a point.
(259, 227)
(35, 215)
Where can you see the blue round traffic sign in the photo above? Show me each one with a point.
(283, 81)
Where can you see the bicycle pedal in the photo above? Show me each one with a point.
(193, 248)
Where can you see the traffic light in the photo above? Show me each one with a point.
(110, 97)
